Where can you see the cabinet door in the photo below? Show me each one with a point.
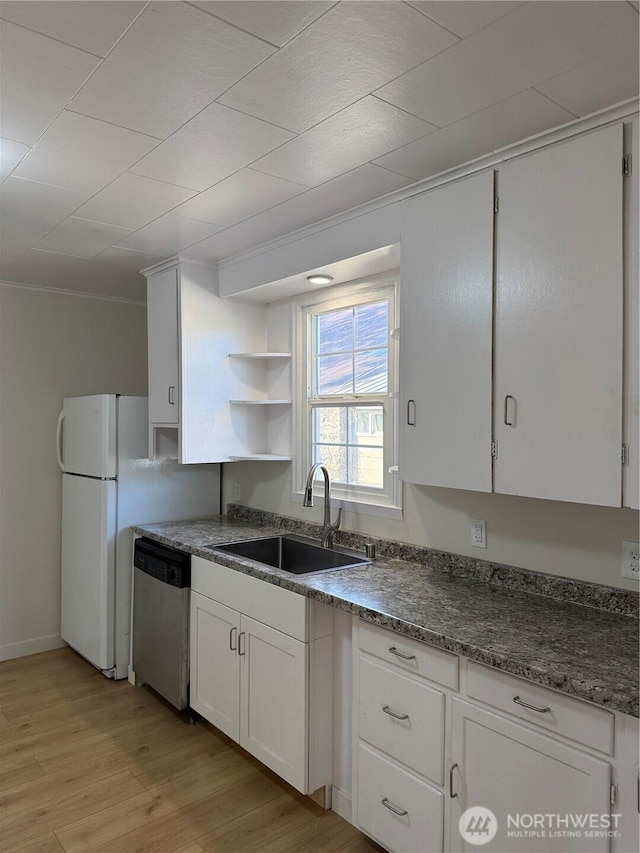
(215, 664)
(274, 706)
(631, 471)
(519, 773)
(162, 326)
(558, 332)
(445, 336)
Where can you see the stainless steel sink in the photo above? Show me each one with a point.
(293, 554)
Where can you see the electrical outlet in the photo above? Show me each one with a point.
(631, 560)
(237, 493)
(479, 534)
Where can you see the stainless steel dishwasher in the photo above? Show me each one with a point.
(161, 584)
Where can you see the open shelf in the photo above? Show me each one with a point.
(260, 402)
(260, 355)
(260, 457)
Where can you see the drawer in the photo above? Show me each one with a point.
(384, 786)
(417, 739)
(409, 655)
(272, 605)
(566, 716)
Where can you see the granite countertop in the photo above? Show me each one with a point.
(584, 651)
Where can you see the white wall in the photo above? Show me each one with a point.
(52, 345)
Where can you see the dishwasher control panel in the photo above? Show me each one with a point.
(162, 562)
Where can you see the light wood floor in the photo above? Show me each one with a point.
(88, 764)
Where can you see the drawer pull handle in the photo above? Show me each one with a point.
(387, 710)
(519, 701)
(231, 646)
(400, 812)
(452, 793)
(398, 654)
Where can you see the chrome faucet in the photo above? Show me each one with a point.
(328, 530)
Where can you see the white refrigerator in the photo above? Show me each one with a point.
(108, 485)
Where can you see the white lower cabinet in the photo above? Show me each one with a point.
(256, 682)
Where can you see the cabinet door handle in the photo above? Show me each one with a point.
(401, 812)
(387, 710)
(172, 395)
(241, 649)
(231, 646)
(507, 422)
(411, 412)
(452, 793)
(519, 701)
(398, 654)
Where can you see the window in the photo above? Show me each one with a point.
(348, 418)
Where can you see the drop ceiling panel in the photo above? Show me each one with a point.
(11, 153)
(173, 62)
(83, 154)
(464, 18)
(499, 125)
(351, 50)
(81, 237)
(236, 198)
(259, 229)
(127, 260)
(275, 22)
(94, 27)
(356, 187)
(132, 201)
(596, 84)
(39, 76)
(212, 146)
(352, 137)
(169, 234)
(16, 238)
(40, 206)
(535, 42)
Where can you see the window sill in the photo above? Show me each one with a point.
(358, 507)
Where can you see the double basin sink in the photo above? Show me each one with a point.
(291, 553)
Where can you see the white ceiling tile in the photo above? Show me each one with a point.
(132, 201)
(16, 238)
(533, 43)
(236, 198)
(83, 154)
(276, 21)
(352, 49)
(214, 144)
(128, 260)
(11, 153)
(356, 187)
(172, 62)
(499, 125)
(37, 205)
(94, 27)
(464, 18)
(64, 272)
(352, 137)
(253, 232)
(589, 87)
(39, 76)
(169, 234)
(81, 237)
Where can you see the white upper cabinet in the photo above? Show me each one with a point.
(558, 322)
(631, 433)
(445, 336)
(164, 363)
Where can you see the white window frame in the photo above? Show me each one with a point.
(362, 500)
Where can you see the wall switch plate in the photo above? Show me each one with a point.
(631, 560)
(237, 493)
(479, 534)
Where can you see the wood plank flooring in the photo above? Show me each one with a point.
(88, 765)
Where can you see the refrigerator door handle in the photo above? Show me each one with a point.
(59, 440)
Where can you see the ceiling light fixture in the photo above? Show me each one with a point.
(319, 278)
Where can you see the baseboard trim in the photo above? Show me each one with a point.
(9, 651)
(341, 803)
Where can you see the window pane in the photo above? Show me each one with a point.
(334, 374)
(365, 466)
(371, 372)
(372, 325)
(335, 460)
(365, 426)
(335, 331)
(330, 425)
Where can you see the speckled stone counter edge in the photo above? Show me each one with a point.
(612, 599)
